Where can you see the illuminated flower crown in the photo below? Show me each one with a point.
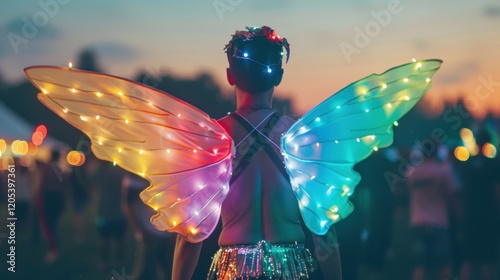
(253, 32)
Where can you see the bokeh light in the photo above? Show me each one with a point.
(42, 129)
(466, 135)
(461, 153)
(26, 160)
(37, 138)
(19, 147)
(32, 149)
(3, 147)
(75, 158)
(489, 150)
(5, 162)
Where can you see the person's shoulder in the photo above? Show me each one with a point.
(226, 122)
(287, 121)
(224, 119)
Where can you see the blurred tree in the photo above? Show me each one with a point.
(417, 126)
(204, 93)
(200, 91)
(22, 99)
(88, 60)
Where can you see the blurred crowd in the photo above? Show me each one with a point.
(45, 191)
(425, 212)
(421, 213)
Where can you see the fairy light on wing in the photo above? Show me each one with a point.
(141, 130)
(343, 130)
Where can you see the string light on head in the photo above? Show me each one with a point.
(267, 66)
(257, 32)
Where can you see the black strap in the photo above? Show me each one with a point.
(260, 142)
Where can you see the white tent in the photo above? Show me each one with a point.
(13, 127)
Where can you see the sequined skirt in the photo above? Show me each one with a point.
(265, 260)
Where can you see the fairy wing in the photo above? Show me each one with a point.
(185, 155)
(321, 148)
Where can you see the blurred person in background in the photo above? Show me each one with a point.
(380, 212)
(111, 221)
(480, 192)
(80, 198)
(24, 194)
(155, 247)
(431, 188)
(50, 196)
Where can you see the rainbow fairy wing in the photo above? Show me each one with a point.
(321, 148)
(185, 155)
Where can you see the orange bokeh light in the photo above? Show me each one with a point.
(489, 150)
(42, 129)
(3, 146)
(461, 153)
(75, 158)
(37, 138)
(32, 149)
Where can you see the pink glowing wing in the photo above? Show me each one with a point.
(185, 155)
(321, 148)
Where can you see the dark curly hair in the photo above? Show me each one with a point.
(255, 58)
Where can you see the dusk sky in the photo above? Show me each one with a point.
(333, 43)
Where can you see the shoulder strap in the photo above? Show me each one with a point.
(261, 141)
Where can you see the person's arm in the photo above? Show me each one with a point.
(186, 256)
(326, 252)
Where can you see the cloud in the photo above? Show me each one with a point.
(26, 33)
(113, 50)
(492, 11)
(260, 5)
(458, 73)
(31, 28)
(420, 44)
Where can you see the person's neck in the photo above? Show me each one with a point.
(245, 100)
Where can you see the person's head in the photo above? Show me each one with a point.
(255, 58)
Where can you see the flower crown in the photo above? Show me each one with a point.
(253, 32)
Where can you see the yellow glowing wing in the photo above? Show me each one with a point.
(322, 147)
(184, 154)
